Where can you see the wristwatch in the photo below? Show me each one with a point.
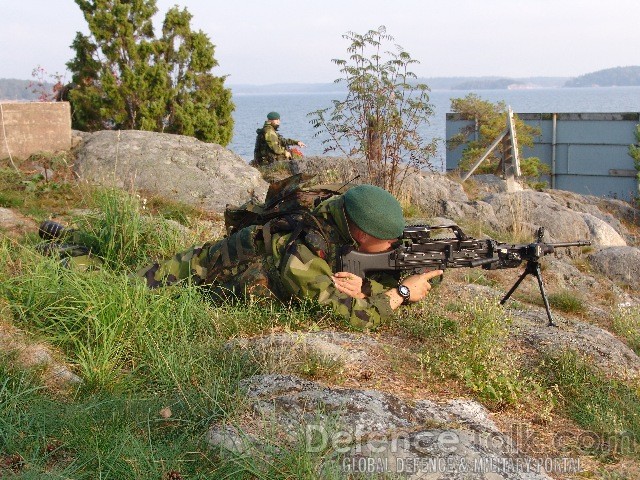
(404, 292)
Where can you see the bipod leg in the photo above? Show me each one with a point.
(538, 274)
(515, 285)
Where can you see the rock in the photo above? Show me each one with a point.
(559, 272)
(488, 183)
(606, 352)
(15, 344)
(15, 225)
(620, 264)
(598, 207)
(602, 233)
(526, 211)
(183, 168)
(476, 210)
(389, 433)
(288, 352)
(430, 192)
(331, 169)
(609, 209)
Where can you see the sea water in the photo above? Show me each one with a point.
(295, 109)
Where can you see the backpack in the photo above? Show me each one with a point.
(290, 199)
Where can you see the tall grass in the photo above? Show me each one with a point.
(608, 408)
(626, 323)
(123, 235)
(477, 353)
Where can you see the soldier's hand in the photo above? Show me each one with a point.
(419, 284)
(348, 283)
(301, 144)
(287, 154)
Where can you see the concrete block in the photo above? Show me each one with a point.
(31, 127)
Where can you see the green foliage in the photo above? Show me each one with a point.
(626, 323)
(384, 112)
(605, 406)
(99, 435)
(137, 351)
(489, 123)
(567, 301)
(427, 323)
(122, 235)
(126, 78)
(617, 76)
(478, 354)
(32, 193)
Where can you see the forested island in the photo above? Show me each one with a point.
(610, 77)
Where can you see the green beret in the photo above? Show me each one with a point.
(273, 116)
(375, 211)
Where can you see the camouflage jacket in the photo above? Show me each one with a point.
(269, 261)
(270, 145)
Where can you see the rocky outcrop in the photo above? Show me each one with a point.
(370, 432)
(566, 216)
(15, 225)
(621, 264)
(605, 351)
(173, 166)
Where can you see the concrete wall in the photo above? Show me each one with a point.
(31, 127)
(588, 152)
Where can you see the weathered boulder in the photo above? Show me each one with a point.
(288, 352)
(431, 192)
(488, 183)
(605, 351)
(173, 166)
(330, 169)
(621, 264)
(14, 225)
(15, 344)
(528, 210)
(391, 435)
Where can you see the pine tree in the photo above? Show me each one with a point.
(126, 78)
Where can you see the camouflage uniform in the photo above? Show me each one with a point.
(270, 145)
(280, 263)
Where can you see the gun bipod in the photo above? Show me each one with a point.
(533, 268)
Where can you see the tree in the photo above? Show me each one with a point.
(489, 121)
(126, 78)
(383, 113)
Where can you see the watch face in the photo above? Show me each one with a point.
(403, 290)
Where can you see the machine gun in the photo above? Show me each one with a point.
(418, 252)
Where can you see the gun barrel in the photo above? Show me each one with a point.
(579, 243)
(483, 261)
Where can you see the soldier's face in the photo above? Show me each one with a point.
(369, 244)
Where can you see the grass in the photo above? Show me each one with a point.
(137, 351)
(142, 352)
(29, 192)
(607, 408)
(474, 351)
(626, 323)
(567, 301)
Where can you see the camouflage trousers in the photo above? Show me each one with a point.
(236, 266)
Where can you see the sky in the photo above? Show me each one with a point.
(293, 41)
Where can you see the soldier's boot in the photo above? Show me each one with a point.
(71, 255)
(50, 230)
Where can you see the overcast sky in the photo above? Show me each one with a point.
(278, 41)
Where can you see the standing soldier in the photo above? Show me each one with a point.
(270, 145)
